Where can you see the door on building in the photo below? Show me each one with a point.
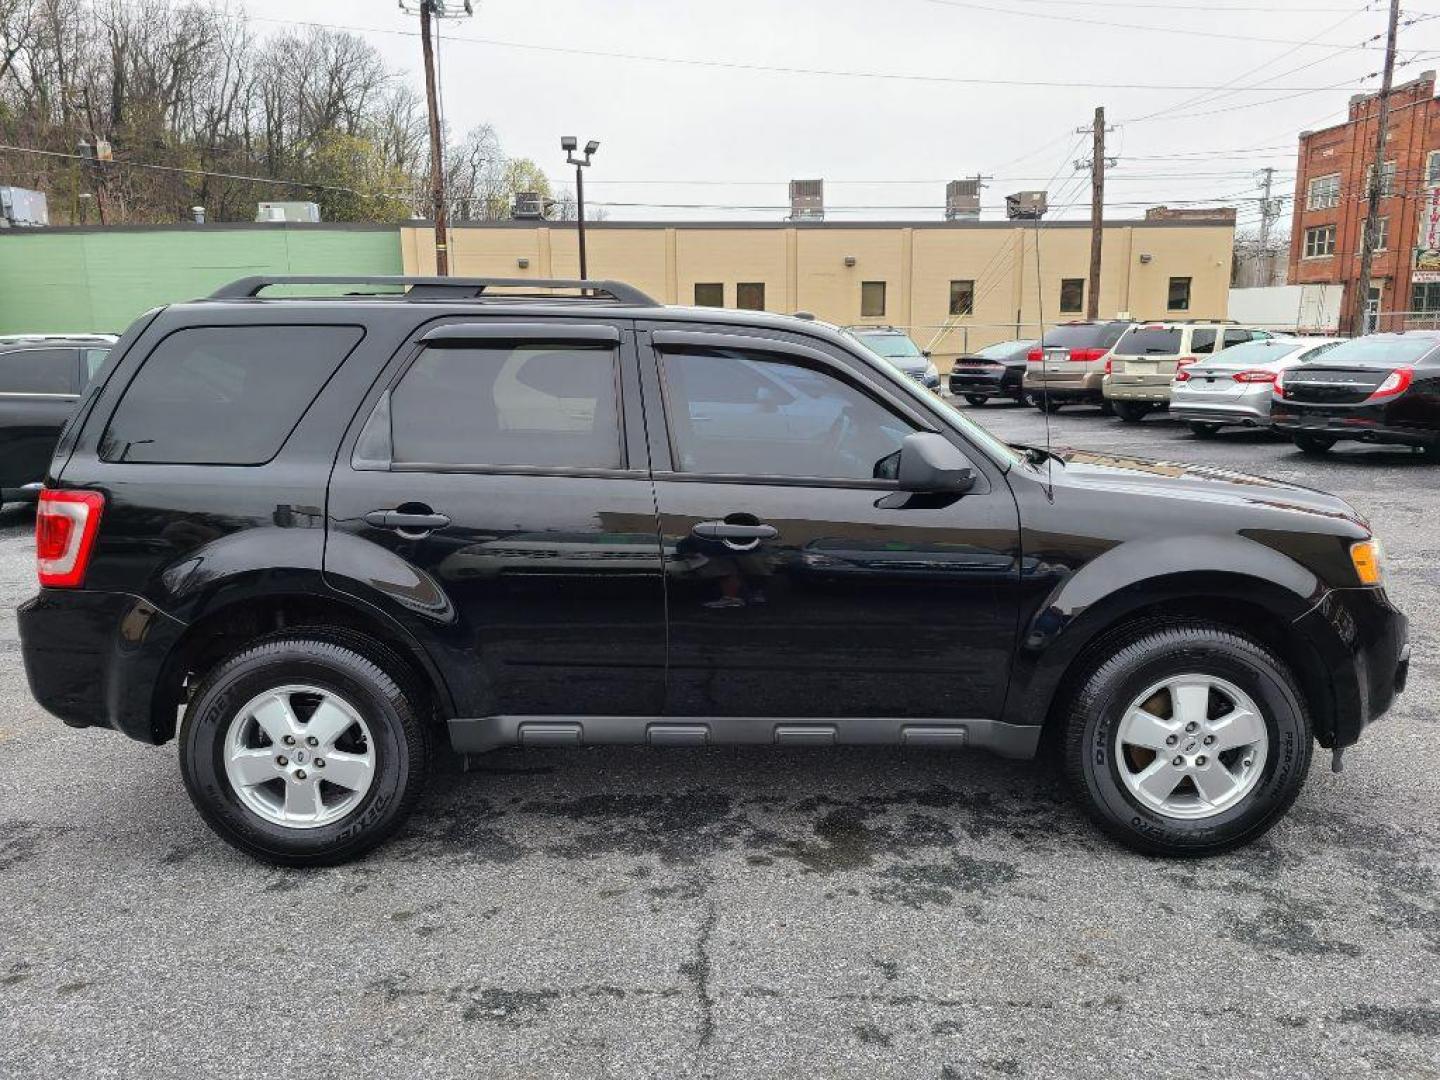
(800, 582)
(1372, 309)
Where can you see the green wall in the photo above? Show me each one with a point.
(99, 280)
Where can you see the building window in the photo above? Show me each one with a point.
(1323, 192)
(1425, 299)
(1320, 242)
(1382, 234)
(1072, 295)
(872, 299)
(1387, 179)
(750, 295)
(1432, 167)
(1179, 299)
(709, 294)
(962, 297)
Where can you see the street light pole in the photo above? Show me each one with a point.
(436, 9)
(569, 143)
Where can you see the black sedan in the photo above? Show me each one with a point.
(995, 371)
(1383, 388)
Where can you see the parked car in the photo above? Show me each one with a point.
(1079, 377)
(1384, 388)
(329, 531)
(41, 377)
(1234, 387)
(995, 371)
(896, 347)
(1143, 364)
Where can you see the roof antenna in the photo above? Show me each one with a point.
(1045, 382)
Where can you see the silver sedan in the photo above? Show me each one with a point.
(1234, 385)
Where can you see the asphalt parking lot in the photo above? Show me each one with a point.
(737, 913)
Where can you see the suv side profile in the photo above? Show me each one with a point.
(1145, 360)
(308, 536)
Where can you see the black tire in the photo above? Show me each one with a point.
(977, 399)
(364, 673)
(1132, 412)
(1046, 405)
(1314, 445)
(1124, 666)
(1107, 407)
(1202, 430)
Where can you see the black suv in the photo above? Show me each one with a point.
(329, 529)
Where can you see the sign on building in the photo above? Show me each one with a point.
(1427, 247)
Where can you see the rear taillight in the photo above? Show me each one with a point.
(66, 524)
(1279, 388)
(1254, 376)
(1035, 356)
(1397, 382)
(1087, 355)
(1181, 375)
(1109, 367)
(1181, 361)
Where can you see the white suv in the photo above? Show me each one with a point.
(1144, 361)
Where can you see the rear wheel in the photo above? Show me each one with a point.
(1187, 739)
(1314, 445)
(305, 749)
(1045, 404)
(1132, 412)
(977, 399)
(1203, 430)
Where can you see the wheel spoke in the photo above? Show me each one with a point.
(302, 799)
(251, 767)
(1160, 779)
(1214, 782)
(1144, 728)
(1239, 727)
(328, 723)
(1189, 701)
(276, 718)
(351, 771)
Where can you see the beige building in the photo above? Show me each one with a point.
(953, 285)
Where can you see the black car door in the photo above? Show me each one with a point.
(497, 497)
(800, 581)
(39, 386)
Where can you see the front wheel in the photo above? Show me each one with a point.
(1132, 412)
(977, 399)
(1187, 739)
(1314, 445)
(305, 749)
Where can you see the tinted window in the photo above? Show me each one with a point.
(543, 405)
(795, 421)
(39, 371)
(1005, 349)
(872, 298)
(1382, 350)
(1085, 335)
(1151, 341)
(1202, 341)
(750, 296)
(1235, 337)
(224, 395)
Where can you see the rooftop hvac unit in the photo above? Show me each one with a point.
(1025, 205)
(21, 208)
(807, 200)
(529, 205)
(962, 200)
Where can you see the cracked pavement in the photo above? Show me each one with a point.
(740, 912)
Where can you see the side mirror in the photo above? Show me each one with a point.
(930, 464)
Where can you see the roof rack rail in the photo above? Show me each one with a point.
(442, 288)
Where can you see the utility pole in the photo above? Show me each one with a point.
(436, 9)
(1096, 165)
(1360, 301)
(1269, 211)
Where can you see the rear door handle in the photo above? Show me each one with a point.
(738, 536)
(406, 523)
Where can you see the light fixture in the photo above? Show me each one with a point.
(849, 260)
(568, 142)
(523, 264)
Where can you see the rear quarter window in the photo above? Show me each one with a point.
(224, 395)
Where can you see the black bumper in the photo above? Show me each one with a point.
(990, 383)
(1362, 640)
(94, 659)
(1376, 423)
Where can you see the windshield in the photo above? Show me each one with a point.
(1381, 350)
(891, 346)
(1150, 341)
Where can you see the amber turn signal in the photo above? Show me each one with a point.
(1368, 559)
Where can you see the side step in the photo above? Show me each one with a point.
(480, 734)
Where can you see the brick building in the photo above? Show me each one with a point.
(1330, 205)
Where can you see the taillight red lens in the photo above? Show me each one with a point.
(1254, 376)
(1182, 375)
(1397, 382)
(1035, 356)
(1087, 355)
(1109, 367)
(1180, 362)
(66, 524)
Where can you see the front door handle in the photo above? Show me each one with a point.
(406, 523)
(738, 537)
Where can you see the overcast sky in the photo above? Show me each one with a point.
(690, 140)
